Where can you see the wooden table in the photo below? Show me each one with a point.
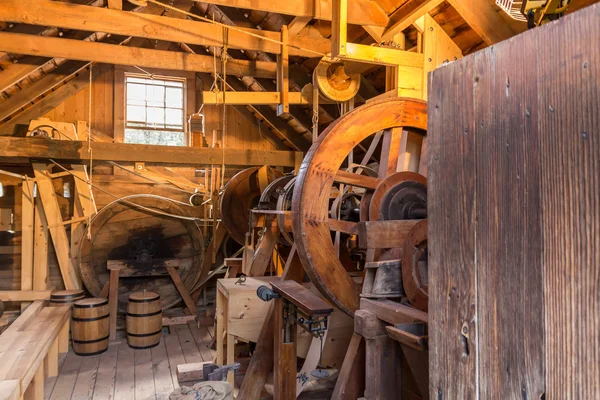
(240, 314)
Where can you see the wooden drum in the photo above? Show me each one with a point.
(89, 326)
(66, 297)
(144, 320)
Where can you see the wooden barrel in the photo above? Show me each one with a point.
(144, 320)
(66, 297)
(89, 326)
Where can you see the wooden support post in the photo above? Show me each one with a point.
(283, 73)
(35, 390)
(27, 237)
(51, 360)
(185, 295)
(221, 323)
(263, 254)
(351, 380)
(63, 338)
(57, 229)
(40, 248)
(113, 302)
(339, 28)
(284, 378)
(383, 358)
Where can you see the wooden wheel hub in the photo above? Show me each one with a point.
(333, 81)
(402, 195)
(317, 174)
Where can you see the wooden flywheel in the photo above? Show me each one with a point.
(241, 194)
(383, 128)
(144, 238)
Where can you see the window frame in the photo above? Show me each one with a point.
(120, 99)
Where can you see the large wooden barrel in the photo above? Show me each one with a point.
(144, 320)
(66, 297)
(89, 326)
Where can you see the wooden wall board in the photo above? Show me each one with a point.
(513, 217)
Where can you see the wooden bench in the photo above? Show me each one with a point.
(29, 350)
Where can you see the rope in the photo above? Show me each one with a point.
(224, 70)
(89, 232)
(120, 199)
(189, 14)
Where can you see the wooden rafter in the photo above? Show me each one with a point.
(362, 12)
(53, 98)
(149, 26)
(483, 19)
(403, 18)
(114, 54)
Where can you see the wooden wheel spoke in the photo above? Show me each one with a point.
(363, 181)
(390, 150)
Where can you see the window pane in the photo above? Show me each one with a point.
(136, 91)
(164, 138)
(156, 116)
(174, 97)
(155, 96)
(174, 119)
(136, 113)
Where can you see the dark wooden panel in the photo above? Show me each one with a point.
(451, 183)
(569, 84)
(510, 303)
(514, 216)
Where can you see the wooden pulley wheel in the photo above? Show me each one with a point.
(414, 266)
(321, 168)
(143, 238)
(269, 198)
(402, 195)
(284, 203)
(241, 194)
(333, 81)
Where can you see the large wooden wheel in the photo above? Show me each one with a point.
(121, 231)
(322, 167)
(241, 194)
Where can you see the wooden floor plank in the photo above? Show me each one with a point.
(107, 370)
(188, 345)
(49, 383)
(203, 341)
(175, 355)
(144, 376)
(67, 378)
(86, 379)
(211, 331)
(125, 378)
(163, 381)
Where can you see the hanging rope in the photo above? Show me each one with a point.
(225, 26)
(89, 232)
(224, 71)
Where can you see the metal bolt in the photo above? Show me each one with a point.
(431, 28)
(429, 59)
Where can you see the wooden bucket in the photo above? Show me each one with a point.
(144, 320)
(89, 326)
(66, 297)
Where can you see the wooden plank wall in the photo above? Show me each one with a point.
(241, 133)
(514, 189)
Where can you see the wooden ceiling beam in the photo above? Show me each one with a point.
(120, 55)
(21, 150)
(149, 26)
(362, 12)
(483, 19)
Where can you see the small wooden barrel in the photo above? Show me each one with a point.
(144, 320)
(89, 326)
(66, 297)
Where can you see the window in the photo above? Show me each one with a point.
(154, 110)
